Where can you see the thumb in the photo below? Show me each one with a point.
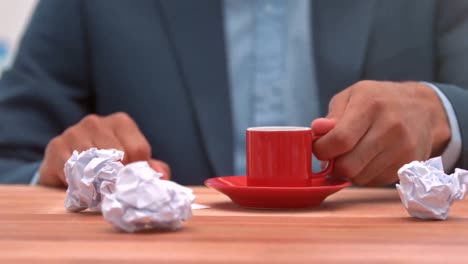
(161, 167)
(321, 126)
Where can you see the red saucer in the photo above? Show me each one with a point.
(235, 187)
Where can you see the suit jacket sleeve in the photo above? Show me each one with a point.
(45, 90)
(452, 64)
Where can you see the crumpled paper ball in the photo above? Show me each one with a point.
(87, 173)
(427, 192)
(142, 201)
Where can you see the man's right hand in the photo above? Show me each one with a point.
(117, 131)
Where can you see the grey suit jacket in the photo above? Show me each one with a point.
(164, 63)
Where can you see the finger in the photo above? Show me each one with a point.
(375, 149)
(387, 177)
(134, 143)
(323, 164)
(60, 148)
(162, 167)
(396, 148)
(338, 104)
(99, 133)
(74, 138)
(107, 140)
(349, 129)
(397, 156)
(381, 170)
(321, 126)
(374, 169)
(51, 170)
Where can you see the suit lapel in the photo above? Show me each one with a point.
(196, 28)
(341, 33)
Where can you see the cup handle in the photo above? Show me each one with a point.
(329, 167)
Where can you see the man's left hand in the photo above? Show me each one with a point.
(373, 128)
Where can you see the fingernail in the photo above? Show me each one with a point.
(323, 164)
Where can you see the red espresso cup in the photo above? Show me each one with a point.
(281, 157)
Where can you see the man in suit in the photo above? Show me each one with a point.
(158, 80)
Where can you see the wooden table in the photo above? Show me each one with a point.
(352, 226)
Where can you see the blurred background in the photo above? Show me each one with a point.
(14, 16)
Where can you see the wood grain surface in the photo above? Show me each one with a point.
(352, 226)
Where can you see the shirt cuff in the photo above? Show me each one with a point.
(453, 149)
(35, 178)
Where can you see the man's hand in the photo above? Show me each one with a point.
(373, 128)
(117, 131)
